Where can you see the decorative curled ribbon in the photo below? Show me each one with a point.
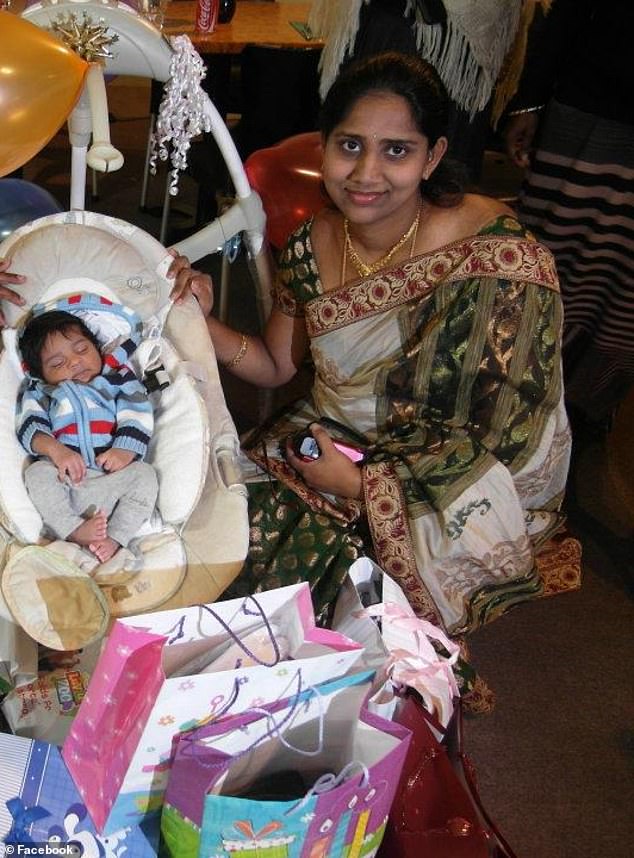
(182, 114)
(422, 667)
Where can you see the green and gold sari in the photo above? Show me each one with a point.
(449, 364)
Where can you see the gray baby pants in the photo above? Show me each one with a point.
(126, 496)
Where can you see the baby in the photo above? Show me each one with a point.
(88, 419)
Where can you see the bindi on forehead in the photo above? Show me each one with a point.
(380, 120)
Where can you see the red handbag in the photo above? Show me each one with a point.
(437, 812)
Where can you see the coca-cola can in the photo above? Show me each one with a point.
(207, 15)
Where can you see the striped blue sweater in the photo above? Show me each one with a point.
(112, 410)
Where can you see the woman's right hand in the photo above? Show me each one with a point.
(189, 281)
(518, 137)
(7, 294)
(332, 472)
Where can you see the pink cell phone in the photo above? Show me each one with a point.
(353, 453)
(305, 446)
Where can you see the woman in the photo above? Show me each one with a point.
(433, 321)
(466, 42)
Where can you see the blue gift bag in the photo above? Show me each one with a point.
(39, 803)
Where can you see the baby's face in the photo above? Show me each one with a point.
(69, 356)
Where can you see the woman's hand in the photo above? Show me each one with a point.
(332, 473)
(7, 294)
(518, 137)
(189, 281)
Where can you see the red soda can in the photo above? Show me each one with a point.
(206, 15)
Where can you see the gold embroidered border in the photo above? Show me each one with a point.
(507, 258)
(389, 526)
(285, 301)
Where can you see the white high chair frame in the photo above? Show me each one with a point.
(141, 50)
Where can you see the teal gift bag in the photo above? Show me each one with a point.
(308, 776)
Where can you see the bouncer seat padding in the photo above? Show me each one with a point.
(195, 447)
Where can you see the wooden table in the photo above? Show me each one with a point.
(256, 22)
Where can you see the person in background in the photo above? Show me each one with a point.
(571, 125)
(466, 42)
(433, 321)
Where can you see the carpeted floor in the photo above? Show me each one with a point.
(554, 761)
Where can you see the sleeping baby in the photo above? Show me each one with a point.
(88, 420)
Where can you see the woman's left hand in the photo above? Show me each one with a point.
(189, 281)
(6, 294)
(332, 473)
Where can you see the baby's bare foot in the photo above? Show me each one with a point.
(94, 529)
(104, 549)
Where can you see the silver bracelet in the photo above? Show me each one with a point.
(521, 110)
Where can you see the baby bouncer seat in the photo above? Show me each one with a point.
(197, 540)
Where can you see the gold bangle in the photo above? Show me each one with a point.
(522, 110)
(235, 360)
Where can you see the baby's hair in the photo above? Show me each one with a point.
(39, 329)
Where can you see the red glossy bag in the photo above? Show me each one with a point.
(437, 812)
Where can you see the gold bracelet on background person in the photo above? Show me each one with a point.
(522, 110)
(235, 360)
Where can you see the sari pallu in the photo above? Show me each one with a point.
(449, 364)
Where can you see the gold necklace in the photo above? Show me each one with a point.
(362, 268)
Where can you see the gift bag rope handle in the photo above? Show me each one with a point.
(245, 649)
(216, 724)
(274, 729)
(329, 781)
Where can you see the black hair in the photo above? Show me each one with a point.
(39, 328)
(418, 82)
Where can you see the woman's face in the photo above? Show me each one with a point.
(375, 159)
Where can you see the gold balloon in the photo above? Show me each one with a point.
(40, 82)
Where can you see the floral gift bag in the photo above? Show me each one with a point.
(313, 775)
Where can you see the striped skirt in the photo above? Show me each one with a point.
(579, 200)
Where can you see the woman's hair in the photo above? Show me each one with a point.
(419, 84)
(39, 328)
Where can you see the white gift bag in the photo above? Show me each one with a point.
(148, 686)
(373, 610)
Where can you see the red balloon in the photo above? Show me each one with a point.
(287, 176)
